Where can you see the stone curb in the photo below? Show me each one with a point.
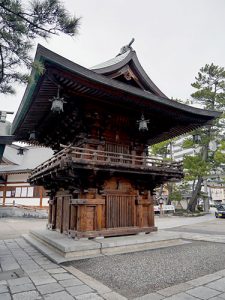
(101, 289)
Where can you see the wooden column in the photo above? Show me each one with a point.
(50, 213)
(4, 191)
(41, 195)
(54, 213)
(99, 217)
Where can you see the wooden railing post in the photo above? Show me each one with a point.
(133, 153)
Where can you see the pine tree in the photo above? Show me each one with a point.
(210, 92)
(19, 26)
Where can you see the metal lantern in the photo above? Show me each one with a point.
(143, 124)
(32, 135)
(196, 138)
(20, 151)
(57, 103)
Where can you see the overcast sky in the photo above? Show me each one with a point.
(173, 39)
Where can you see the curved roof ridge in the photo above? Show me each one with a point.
(129, 58)
(111, 62)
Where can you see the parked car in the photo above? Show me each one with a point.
(220, 211)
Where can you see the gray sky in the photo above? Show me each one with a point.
(173, 39)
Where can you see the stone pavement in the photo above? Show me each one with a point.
(27, 274)
(210, 286)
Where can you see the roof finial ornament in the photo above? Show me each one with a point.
(126, 48)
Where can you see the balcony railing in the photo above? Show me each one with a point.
(92, 157)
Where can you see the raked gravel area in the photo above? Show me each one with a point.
(135, 274)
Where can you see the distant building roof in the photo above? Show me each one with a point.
(13, 163)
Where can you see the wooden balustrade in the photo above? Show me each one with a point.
(98, 157)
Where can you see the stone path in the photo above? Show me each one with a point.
(27, 274)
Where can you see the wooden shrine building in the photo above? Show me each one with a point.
(100, 122)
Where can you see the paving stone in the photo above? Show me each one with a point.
(204, 279)
(70, 282)
(63, 276)
(2, 282)
(203, 292)
(43, 280)
(90, 296)
(31, 267)
(220, 273)
(56, 271)
(79, 290)
(181, 296)
(49, 266)
(3, 289)
(5, 296)
(49, 288)
(9, 266)
(222, 296)
(19, 281)
(26, 296)
(41, 277)
(22, 288)
(175, 289)
(59, 296)
(218, 285)
(113, 296)
(152, 296)
(216, 298)
(39, 273)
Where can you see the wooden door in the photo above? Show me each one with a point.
(120, 210)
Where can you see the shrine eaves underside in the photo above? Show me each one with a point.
(120, 87)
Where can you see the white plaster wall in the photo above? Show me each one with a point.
(25, 201)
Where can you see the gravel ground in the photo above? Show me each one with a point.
(140, 273)
(193, 230)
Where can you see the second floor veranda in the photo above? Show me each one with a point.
(85, 158)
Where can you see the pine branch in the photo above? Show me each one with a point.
(27, 20)
(2, 65)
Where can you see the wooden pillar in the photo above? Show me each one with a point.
(139, 214)
(151, 210)
(50, 211)
(40, 195)
(133, 153)
(99, 217)
(54, 212)
(83, 217)
(4, 191)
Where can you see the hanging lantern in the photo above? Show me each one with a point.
(32, 136)
(57, 103)
(143, 124)
(20, 151)
(196, 138)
